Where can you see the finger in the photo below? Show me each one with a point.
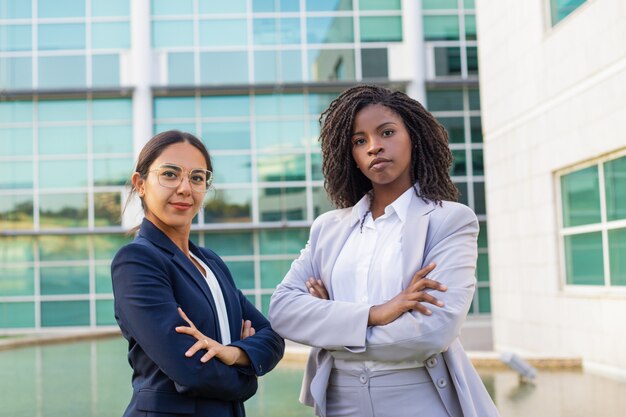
(209, 355)
(186, 330)
(321, 289)
(419, 307)
(199, 345)
(184, 316)
(245, 332)
(430, 283)
(422, 272)
(427, 298)
(252, 331)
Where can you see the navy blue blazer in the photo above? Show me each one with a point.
(151, 278)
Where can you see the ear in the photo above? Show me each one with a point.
(138, 184)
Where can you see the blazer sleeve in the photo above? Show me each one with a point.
(266, 348)
(146, 310)
(297, 315)
(414, 336)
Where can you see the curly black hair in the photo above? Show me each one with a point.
(431, 157)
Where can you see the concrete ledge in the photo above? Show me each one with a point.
(15, 342)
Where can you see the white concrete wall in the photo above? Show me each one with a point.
(551, 97)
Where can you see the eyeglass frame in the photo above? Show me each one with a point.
(209, 180)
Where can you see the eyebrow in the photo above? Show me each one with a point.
(377, 127)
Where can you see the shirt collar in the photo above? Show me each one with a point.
(400, 206)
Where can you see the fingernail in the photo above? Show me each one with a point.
(203, 360)
(429, 312)
(440, 304)
(188, 353)
(444, 287)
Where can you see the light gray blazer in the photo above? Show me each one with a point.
(445, 234)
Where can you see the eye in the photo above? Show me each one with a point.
(358, 141)
(387, 133)
(198, 178)
(169, 173)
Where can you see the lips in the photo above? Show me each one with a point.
(379, 163)
(181, 206)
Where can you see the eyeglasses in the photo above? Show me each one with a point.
(171, 176)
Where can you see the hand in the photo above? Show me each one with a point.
(230, 355)
(317, 289)
(410, 298)
(246, 329)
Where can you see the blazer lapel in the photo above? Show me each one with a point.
(414, 237)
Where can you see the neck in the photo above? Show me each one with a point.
(382, 196)
(178, 235)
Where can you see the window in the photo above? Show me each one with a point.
(559, 9)
(593, 223)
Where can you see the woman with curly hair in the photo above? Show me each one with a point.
(382, 288)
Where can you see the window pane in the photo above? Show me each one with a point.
(174, 107)
(64, 248)
(15, 38)
(583, 259)
(444, 100)
(265, 6)
(243, 274)
(472, 60)
(279, 104)
(617, 256)
(476, 130)
(484, 300)
(64, 313)
(63, 174)
(447, 61)
(16, 74)
(110, 35)
(16, 249)
(458, 167)
(441, 28)
(62, 71)
(112, 171)
(15, 315)
(615, 183)
(439, 4)
(580, 197)
(15, 175)
(224, 67)
(62, 111)
(62, 210)
(172, 33)
(168, 7)
(330, 30)
(277, 66)
(225, 106)
(321, 204)
(107, 209)
(280, 135)
(273, 272)
(65, 8)
(230, 243)
(103, 279)
(101, 8)
(287, 167)
(180, 68)
(56, 36)
(479, 198)
(229, 135)
(316, 167)
(455, 127)
(374, 63)
(56, 280)
(16, 212)
(16, 111)
(230, 6)
(328, 5)
(229, 206)
(112, 139)
(223, 32)
(331, 64)
(482, 267)
(182, 126)
(469, 4)
(462, 187)
(17, 280)
(279, 242)
(380, 5)
(106, 246)
(470, 27)
(474, 99)
(482, 235)
(477, 162)
(15, 9)
(62, 140)
(105, 314)
(282, 204)
(106, 70)
(381, 28)
(229, 169)
(276, 31)
(559, 9)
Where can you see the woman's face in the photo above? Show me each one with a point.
(381, 146)
(172, 207)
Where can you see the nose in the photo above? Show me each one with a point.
(185, 185)
(375, 146)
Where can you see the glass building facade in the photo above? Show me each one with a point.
(84, 83)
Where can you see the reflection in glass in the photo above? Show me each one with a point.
(17, 280)
(56, 280)
(230, 243)
(265, 6)
(470, 27)
(106, 246)
(275, 31)
(63, 248)
(282, 204)
(615, 184)
(374, 63)
(580, 197)
(458, 167)
(285, 167)
(229, 206)
(282, 241)
(16, 212)
(277, 66)
(64, 313)
(58, 211)
(447, 61)
(321, 204)
(328, 5)
(441, 28)
(559, 9)
(62, 140)
(223, 68)
(381, 28)
(330, 30)
(227, 135)
(280, 135)
(107, 209)
(16, 249)
(617, 256)
(109, 171)
(112, 139)
(279, 104)
(223, 32)
(224, 106)
(62, 71)
(16, 174)
(17, 314)
(106, 70)
(243, 273)
(63, 173)
(583, 259)
(316, 167)
(331, 64)
(380, 5)
(229, 169)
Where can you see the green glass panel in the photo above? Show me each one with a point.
(559, 9)
(110, 8)
(17, 280)
(62, 111)
(316, 167)
(580, 197)
(15, 38)
(482, 236)
(172, 33)
(110, 35)
(230, 243)
(16, 111)
(105, 315)
(265, 304)
(273, 272)
(314, 134)
(328, 5)
(478, 166)
(229, 206)
(615, 186)
(61, 36)
(16, 73)
(63, 248)
(62, 72)
(617, 256)
(472, 60)
(64, 313)
(229, 169)
(16, 212)
(330, 30)
(227, 135)
(230, 6)
(265, 6)
(285, 167)
(381, 28)
(106, 246)
(112, 171)
(380, 5)
(470, 27)
(224, 106)
(476, 130)
(112, 139)
(62, 210)
(459, 166)
(62, 140)
(107, 209)
(243, 274)
(469, 4)
(279, 105)
(331, 64)
(441, 28)
(16, 315)
(15, 9)
(63, 174)
(106, 70)
(168, 7)
(223, 68)
(16, 175)
(374, 63)
(439, 4)
(282, 204)
(103, 279)
(320, 102)
(274, 31)
(223, 32)
(447, 61)
(16, 249)
(479, 198)
(482, 267)
(180, 68)
(462, 187)
(444, 100)
(321, 204)
(174, 107)
(66, 8)
(277, 66)
(583, 259)
(287, 134)
(455, 127)
(474, 99)
(56, 280)
(282, 242)
(113, 109)
(183, 127)
(484, 300)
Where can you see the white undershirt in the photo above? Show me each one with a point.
(368, 269)
(218, 297)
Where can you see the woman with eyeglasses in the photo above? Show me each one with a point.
(195, 343)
